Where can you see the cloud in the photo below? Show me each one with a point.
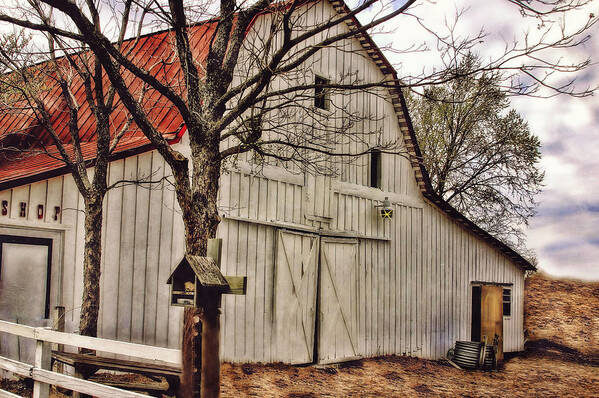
(565, 233)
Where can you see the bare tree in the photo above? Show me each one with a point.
(249, 90)
(480, 154)
(38, 80)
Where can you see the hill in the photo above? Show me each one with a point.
(563, 312)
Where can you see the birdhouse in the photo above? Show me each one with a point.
(193, 277)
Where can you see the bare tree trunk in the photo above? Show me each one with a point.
(201, 222)
(88, 321)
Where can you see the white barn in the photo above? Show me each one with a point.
(328, 279)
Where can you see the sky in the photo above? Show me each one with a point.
(565, 231)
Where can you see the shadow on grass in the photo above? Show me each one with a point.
(550, 349)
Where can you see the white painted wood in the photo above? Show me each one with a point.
(82, 386)
(139, 264)
(111, 252)
(126, 251)
(47, 377)
(43, 351)
(93, 343)
(7, 394)
(270, 172)
(295, 296)
(338, 288)
(37, 197)
(413, 275)
(15, 367)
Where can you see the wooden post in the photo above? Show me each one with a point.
(210, 376)
(58, 325)
(43, 351)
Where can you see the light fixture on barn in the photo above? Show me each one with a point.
(385, 209)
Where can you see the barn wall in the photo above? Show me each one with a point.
(413, 278)
(413, 275)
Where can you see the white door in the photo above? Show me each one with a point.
(295, 296)
(24, 284)
(338, 300)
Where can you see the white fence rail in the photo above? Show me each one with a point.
(43, 377)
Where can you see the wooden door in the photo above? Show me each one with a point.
(295, 296)
(491, 316)
(338, 300)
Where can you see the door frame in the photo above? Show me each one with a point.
(34, 241)
(479, 284)
(55, 235)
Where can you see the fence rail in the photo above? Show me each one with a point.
(43, 377)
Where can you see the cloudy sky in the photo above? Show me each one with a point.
(565, 233)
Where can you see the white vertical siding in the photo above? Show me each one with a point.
(413, 276)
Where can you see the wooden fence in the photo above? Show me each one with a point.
(43, 377)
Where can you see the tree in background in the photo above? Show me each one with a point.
(479, 152)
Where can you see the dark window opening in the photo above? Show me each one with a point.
(476, 313)
(375, 168)
(507, 302)
(321, 94)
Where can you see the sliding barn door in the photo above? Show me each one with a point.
(295, 296)
(338, 300)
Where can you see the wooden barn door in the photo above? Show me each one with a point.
(337, 315)
(295, 296)
(491, 315)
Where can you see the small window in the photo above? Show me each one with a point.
(507, 302)
(321, 94)
(375, 168)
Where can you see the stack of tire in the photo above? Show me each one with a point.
(467, 354)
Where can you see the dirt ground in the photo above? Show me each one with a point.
(562, 359)
(527, 376)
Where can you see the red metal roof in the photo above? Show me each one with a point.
(20, 128)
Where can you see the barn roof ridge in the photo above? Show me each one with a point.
(399, 105)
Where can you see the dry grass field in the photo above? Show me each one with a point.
(565, 312)
(562, 359)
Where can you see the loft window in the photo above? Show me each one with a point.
(375, 168)
(507, 302)
(321, 94)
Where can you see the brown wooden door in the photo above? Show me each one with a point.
(492, 316)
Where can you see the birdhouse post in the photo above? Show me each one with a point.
(198, 282)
